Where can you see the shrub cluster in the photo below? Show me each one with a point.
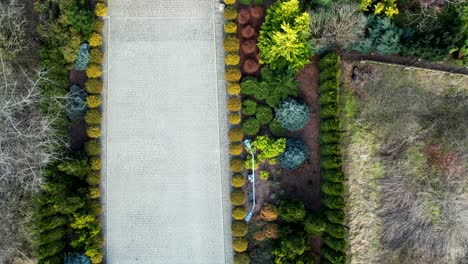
(295, 154)
(333, 186)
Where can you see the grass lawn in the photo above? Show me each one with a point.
(404, 148)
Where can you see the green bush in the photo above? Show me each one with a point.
(237, 180)
(230, 13)
(276, 129)
(330, 97)
(337, 244)
(93, 178)
(330, 138)
(268, 148)
(335, 257)
(334, 202)
(50, 249)
(95, 163)
(242, 258)
(283, 40)
(50, 223)
(330, 149)
(383, 38)
(239, 244)
(92, 147)
(330, 125)
(292, 114)
(93, 117)
(333, 176)
(249, 107)
(336, 230)
(239, 213)
(244, 2)
(333, 188)
(295, 155)
(77, 167)
(330, 110)
(264, 175)
(330, 162)
(292, 210)
(51, 236)
(94, 86)
(231, 44)
(251, 126)
(314, 224)
(335, 216)
(238, 197)
(82, 59)
(328, 85)
(264, 115)
(239, 228)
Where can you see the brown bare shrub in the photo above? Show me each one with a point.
(250, 66)
(249, 46)
(243, 16)
(247, 32)
(257, 12)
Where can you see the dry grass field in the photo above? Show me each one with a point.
(405, 144)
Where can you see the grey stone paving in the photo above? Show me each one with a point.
(165, 179)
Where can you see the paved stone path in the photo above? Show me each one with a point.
(165, 188)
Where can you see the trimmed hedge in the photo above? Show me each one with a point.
(92, 147)
(251, 126)
(231, 44)
(235, 134)
(239, 213)
(242, 258)
(236, 165)
(238, 197)
(239, 244)
(232, 74)
(234, 118)
(230, 28)
(237, 180)
(230, 13)
(233, 88)
(239, 228)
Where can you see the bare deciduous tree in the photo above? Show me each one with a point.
(12, 28)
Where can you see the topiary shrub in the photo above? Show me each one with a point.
(335, 216)
(238, 197)
(276, 129)
(96, 56)
(333, 176)
(237, 180)
(292, 210)
(233, 88)
(82, 59)
(230, 27)
(93, 117)
(242, 258)
(269, 212)
(236, 165)
(250, 66)
(232, 75)
(264, 115)
(330, 149)
(295, 155)
(93, 178)
(231, 44)
(272, 231)
(333, 256)
(239, 244)
(336, 230)
(314, 224)
(249, 107)
(330, 162)
(251, 126)
(235, 134)
(239, 228)
(93, 131)
(232, 59)
(336, 244)
(259, 235)
(234, 118)
(234, 104)
(94, 193)
(249, 46)
(334, 202)
(95, 40)
(94, 71)
(235, 149)
(93, 101)
(239, 213)
(230, 13)
(292, 114)
(333, 188)
(264, 175)
(247, 32)
(330, 125)
(95, 163)
(94, 86)
(92, 147)
(76, 258)
(76, 104)
(243, 16)
(100, 9)
(229, 2)
(329, 138)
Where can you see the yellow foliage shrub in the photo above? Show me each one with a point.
(237, 180)
(230, 27)
(94, 192)
(234, 118)
(229, 2)
(93, 117)
(236, 165)
(93, 86)
(95, 163)
(99, 27)
(95, 40)
(94, 71)
(233, 88)
(239, 244)
(232, 74)
(387, 7)
(93, 101)
(93, 131)
(100, 9)
(234, 104)
(96, 56)
(231, 44)
(239, 213)
(235, 149)
(230, 13)
(232, 59)
(235, 134)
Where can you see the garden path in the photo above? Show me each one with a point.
(165, 179)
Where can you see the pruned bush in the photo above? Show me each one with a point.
(99, 26)
(333, 256)
(94, 192)
(336, 230)
(93, 101)
(239, 244)
(236, 165)
(251, 126)
(292, 114)
(77, 167)
(243, 16)
(337, 244)
(268, 148)
(295, 155)
(237, 180)
(333, 188)
(234, 104)
(231, 44)
(50, 249)
(242, 258)
(247, 32)
(233, 88)
(232, 59)
(269, 212)
(100, 9)
(76, 258)
(232, 75)
(96, 56)
(229, 2)
(50, 223)
(239, 228)
(51, 236)
(239, 213)
(93, 178)
(92, 147)
(76, 103)
(292, 210)
(235, 149)
(329, 111)
(234, 118)
(276, 129)
(334, 202)
(330, 125)
(258, 235)
(330, 149)
(95, 40)
(314, 224)
(264, 115)
(330, 162)
(230, 13)
(94, 71)
(230, 27)
(93, 117)
(264, 175)
(336, 216)
(256, 12)
(238, 197)
(95, 163)
(249, 107)
(94, 86)
(329, 138)
(250, 66)
(272, 231)
(383, 37)
(82, 59)
(235, 134)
